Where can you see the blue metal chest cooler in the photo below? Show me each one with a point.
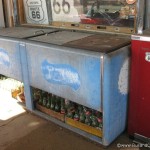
(96, 79)
(94, 76)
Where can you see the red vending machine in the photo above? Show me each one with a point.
(139, 104)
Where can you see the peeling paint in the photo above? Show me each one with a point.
(4, 58)
(123, 82)
(62, 74)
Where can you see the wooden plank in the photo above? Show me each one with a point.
(21, 14)
(84, 127)
(50, 112)
(120, 29)
(91, 27)
(2, 24)
(8, 9)
(11, 7)
(10, 13)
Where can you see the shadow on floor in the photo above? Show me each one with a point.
(20, 130)
(50, 136)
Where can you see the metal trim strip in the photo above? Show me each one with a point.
(141, 38)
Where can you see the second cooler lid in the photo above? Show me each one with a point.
(61, 37)
(104, 43)
(24, 32)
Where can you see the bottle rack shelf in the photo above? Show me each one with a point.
(73, 114)
(50, 112)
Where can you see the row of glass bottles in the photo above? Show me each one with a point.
(70, 109)
(83, 114)
(49, 100)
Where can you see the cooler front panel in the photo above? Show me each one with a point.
(71, 74)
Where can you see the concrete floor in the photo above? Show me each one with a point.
(21, 130)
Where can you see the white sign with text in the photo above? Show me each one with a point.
(64, 10)
(36, 11)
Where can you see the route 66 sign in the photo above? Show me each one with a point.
(36, 11)
(64, 10)
(147, 56)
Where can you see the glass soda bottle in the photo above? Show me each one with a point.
(52, 102)
(49, 101)
(57, 104)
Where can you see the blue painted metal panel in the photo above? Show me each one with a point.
(61, 74)
(68, 73)
(25, 76)
(116, 68)
(10, 59)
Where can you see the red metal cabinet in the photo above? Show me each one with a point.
(139, 104)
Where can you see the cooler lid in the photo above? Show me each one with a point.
(61, 37)
(24, 32)
(104, 43)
